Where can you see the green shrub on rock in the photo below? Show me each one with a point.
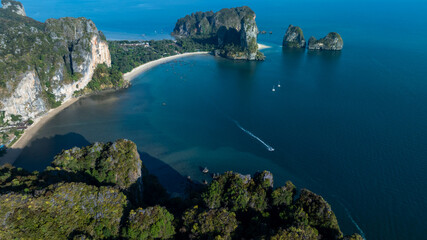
(229, 190)
(353, 237)
(62, 210)
(293, 233)
(320, 214)
(283, 196)
(115, 163)
(150, 223)
(210, 224)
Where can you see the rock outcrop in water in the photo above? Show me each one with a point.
(14, 6)
(87, 194)
(332, 41)
(233, 31)
(294, 38)
(43, 64)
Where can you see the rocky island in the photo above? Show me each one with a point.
(103, 191)
(232, 31)
(294, 38)
(332, 41)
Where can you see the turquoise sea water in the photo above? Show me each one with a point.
(351, 126)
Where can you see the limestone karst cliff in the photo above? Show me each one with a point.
(88, 193)
(14, 6)
(332, 41)
(232, 30)
(294, 38)
(43, 64)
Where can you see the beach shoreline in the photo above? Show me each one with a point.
(263, 46)
(149, 65)
(15, 150)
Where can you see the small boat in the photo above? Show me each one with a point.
(205, 182)
(274, 89)
(205, 170)
(278, 85)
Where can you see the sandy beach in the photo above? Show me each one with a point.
(39, 122)
(262, 46)
(144, 67)
(16, 149)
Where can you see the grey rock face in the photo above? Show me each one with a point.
(27, 100)
(14, 6)
(294, 38)
(332, 42)
(234, 27)
(76, 46)
(84, 48)
(249, 35)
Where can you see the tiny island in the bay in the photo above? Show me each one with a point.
(294, 38)
(233, 32)
(104, 191)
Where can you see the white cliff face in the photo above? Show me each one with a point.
(14, 6)
(99, 54)
(27, 99)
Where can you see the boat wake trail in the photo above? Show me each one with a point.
(354, 222)
(269, 148)
(213, 105)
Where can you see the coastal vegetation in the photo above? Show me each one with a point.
(103, 191)
(104, 78)
(126, 55)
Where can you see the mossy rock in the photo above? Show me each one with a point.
(150, 223)
(320, 214)
(62, 210)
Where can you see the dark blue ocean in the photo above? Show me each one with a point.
(351, 126)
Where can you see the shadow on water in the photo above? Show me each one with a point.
(293, 59)
(245, 69)
(168, 177)
(328, 56)
(40, 153)
(324, 66)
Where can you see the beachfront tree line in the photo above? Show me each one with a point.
(126, 55)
